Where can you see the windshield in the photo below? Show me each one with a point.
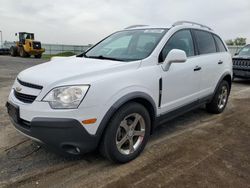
(127, 45)
(245, 51)
(24, 36)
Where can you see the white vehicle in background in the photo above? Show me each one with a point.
(114, 95)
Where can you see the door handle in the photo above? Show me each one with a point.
(220, 62)
(197, 68)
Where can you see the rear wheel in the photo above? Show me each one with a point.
(13, 51)
(38, 56)
(127, 133)
(219, 101)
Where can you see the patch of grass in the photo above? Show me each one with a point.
(63, 54)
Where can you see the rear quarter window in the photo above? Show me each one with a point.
(220, 46)
(205, 42)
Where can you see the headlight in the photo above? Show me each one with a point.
(66, 96)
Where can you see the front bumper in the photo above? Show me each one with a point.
(241, 73)
(36, 51)
(38, 108)
(63, 135)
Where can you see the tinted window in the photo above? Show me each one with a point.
(220, 45)
(205, 42)
(181, 40)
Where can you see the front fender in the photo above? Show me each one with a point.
(121, 101)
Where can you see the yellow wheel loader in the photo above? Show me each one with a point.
(26, 46)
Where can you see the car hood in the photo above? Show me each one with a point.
(67, 70)
(241, 57)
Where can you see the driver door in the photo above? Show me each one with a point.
(180, 84)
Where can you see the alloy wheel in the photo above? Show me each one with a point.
(130, 133)
(222, 99)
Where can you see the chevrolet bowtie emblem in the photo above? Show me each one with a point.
(18, 88)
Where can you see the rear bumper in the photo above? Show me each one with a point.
(62, 135)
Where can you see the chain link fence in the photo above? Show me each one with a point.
(52, 49)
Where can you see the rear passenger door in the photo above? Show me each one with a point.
(210, 61)
(222, 55)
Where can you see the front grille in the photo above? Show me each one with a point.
(36, 45)
(30, 85)
(241, 63)
(24, 97)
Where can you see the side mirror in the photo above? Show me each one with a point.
(15, 34)
(174, 56)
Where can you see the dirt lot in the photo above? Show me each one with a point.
(195, 150)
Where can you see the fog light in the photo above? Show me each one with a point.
(78, 150)
(89, 121)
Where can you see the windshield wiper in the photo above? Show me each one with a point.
(103, 57)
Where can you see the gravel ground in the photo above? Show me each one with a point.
(194, 150)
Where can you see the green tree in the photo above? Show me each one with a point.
(230, 42)
(239, 41)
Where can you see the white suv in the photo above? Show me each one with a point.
(114, 95)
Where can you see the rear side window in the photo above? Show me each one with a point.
(181, 40)
(220, 45)
(205, 42)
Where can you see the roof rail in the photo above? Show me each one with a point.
(192, 23)
(133, 26)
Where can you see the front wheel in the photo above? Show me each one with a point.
(127, 133)
(22, 52)
(219, 101)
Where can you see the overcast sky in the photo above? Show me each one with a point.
(88, 21)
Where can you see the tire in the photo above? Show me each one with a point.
(220, 99)
(22, 52)
(38, 56)
(121, 142)
(13, 51)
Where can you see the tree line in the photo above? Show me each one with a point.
(239, 41)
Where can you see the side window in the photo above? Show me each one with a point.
(181, 40)
(205, 42)
(220, 45)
